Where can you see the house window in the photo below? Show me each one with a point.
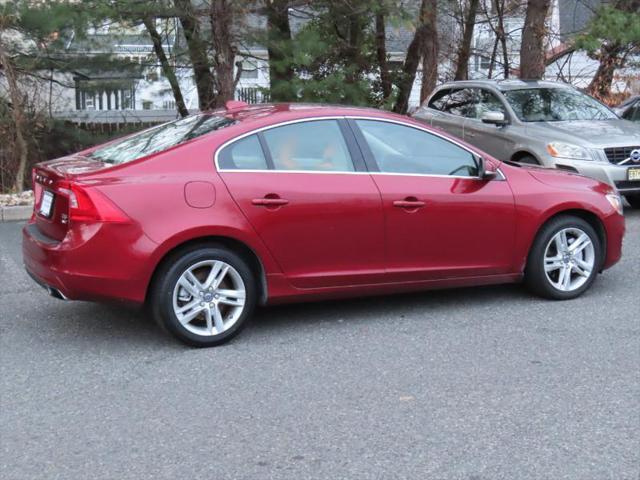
(169, 105)
(89, 104)
(249, 73)
(126, 99)
(147, 104)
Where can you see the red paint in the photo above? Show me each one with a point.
(317, 236)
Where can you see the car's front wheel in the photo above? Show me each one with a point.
(564, 259)
(634, 200)
(204, 295)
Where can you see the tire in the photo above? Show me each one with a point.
(528, 160)
(545, 252)
(634, 200)
(224, 294)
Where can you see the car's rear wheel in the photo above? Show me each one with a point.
(564, 259)
(634, 200)
(204, 295)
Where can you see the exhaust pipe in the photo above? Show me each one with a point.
(55, 293)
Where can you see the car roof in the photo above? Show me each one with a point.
(280, 112)
(505, 85)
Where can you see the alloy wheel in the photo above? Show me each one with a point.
(209, 297)
(569, 259)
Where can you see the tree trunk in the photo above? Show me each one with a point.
(355, 63)
(414, 53)
(430, 52)
(18, 118)
(506, 68)
(381, 55)
(532, 54)
(464, 51)
(600, 85)
(611, 56)
(279, 50)
(198, 54)
(502, 38)
(168, 71)
(221, 18)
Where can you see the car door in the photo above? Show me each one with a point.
(441, 219)
(496, 140)
(303, 188)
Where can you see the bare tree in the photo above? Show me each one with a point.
(198, 53)
(221, 17)
(381, 55)
(167, 69)
(532, 54)
(415, 53)
(500, 38)
(430, 52)
(17, 112)
(464, 50)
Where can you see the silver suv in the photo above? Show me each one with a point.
(544, 123)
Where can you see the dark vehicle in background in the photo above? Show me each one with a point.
(541, 123)
(629, 110)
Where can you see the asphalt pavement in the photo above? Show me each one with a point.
(474, 384)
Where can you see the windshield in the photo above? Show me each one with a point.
(159, 138)
(556, 105)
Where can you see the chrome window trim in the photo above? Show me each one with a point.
(336, 172)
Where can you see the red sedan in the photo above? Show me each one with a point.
(206, 217)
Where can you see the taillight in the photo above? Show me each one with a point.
(89, 205)
(37, 192)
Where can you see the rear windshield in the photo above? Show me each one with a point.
(159, 138)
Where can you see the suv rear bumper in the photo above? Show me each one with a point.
(99, 262)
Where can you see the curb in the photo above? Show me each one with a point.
(12, 214)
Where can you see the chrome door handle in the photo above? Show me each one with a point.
(269, 202)
(409, 203)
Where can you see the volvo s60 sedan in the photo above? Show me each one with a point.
(204, 218)
(544, 123)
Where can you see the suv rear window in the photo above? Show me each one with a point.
(159, 138)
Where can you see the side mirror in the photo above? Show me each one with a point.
(486, 171)
(494, 118)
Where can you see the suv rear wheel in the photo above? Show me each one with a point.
(564, 259)
(204, 296)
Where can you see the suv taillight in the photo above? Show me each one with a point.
(89, 205)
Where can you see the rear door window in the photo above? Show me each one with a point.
(461, 103)
(316, 145)
(244, 154)
(440, 99)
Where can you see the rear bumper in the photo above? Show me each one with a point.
(97, 262)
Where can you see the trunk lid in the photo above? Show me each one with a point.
(51, 182)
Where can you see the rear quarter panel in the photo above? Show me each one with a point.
(152, 193)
